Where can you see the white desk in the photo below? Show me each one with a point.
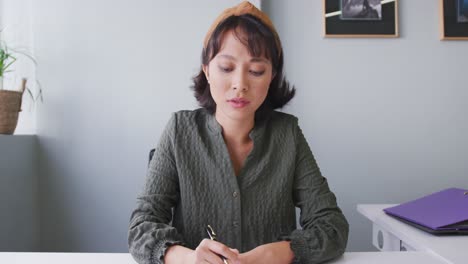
(65, 258)
(390, 234)
(125, 258)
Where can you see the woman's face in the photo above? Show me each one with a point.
(238, 82)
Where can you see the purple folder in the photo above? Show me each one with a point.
(443, 212)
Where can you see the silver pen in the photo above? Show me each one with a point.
(212, 235)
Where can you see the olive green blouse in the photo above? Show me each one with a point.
(191, 183)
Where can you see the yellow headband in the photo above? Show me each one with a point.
(241, 9)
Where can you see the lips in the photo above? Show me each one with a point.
(238, 102)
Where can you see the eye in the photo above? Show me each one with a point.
(225, 69)
(257, 73)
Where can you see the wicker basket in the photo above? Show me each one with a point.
(10, 106)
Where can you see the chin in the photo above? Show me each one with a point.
(239, 114)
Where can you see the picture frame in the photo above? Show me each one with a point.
(453, 19)
(336, 26)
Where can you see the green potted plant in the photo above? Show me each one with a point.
(10, 100)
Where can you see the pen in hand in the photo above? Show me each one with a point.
(213, 237)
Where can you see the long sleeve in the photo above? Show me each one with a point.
(150, 233)
(325, 230)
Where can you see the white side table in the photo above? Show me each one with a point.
(390, 234)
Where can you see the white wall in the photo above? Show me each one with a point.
(386, 118)
(15, 20)
(1, 16)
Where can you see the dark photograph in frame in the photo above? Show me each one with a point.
(462, 11)
(453, 19)
(361, 10)
(339, 24)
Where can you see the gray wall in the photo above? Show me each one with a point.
(19, 206)
(386, 118)
(383, 116)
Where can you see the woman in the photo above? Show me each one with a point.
(236, 164)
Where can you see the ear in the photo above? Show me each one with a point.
(206, 71)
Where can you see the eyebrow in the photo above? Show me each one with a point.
(255, 59)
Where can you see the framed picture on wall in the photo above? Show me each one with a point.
(360, 18)
(454, 19)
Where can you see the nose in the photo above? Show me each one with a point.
(240, 82)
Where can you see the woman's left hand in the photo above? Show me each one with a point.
(273, 253)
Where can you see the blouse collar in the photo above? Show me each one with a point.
(258, 129)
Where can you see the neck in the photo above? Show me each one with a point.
(236, 131)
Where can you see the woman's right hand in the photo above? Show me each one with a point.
(208, 251)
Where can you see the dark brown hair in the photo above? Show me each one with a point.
(261, 42)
